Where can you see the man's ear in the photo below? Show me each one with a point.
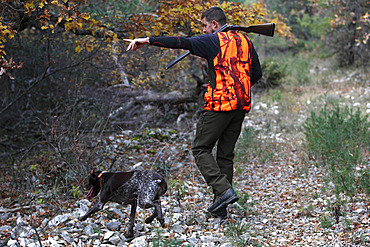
(215, 25)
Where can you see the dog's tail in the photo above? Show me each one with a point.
(162, 185)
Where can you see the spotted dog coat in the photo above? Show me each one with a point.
(138, 187)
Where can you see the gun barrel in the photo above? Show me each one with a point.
(178, 59)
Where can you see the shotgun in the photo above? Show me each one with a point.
(264, 29)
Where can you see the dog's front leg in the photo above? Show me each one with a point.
(97, 207)
(130, 227)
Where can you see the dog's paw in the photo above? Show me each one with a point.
(149, 220)
(129, 234)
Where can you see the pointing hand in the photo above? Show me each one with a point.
(136, 43)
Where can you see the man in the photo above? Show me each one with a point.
(233, 67)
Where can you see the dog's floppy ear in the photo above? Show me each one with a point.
(94, 173)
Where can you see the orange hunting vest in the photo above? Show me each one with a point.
(231, 74)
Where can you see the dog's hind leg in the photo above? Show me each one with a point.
(130, 227)
(158, 210)
(157, 213)
(152, 217)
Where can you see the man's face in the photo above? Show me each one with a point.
(208, 27)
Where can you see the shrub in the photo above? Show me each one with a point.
(273, 74)
(336, 137)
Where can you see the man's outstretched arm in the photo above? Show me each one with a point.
(172, 42)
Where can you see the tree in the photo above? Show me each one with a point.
(349, 37)
(340, 27)
(71, 49)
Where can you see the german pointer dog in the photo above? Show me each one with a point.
(137, 187)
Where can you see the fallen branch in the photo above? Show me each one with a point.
(11, 210)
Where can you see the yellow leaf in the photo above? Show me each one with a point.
(60, 19)
(78, 49)
(115, 38)
(88, 47)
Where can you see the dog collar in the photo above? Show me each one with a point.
(100, 177)
(101, 174)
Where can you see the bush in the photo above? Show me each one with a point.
(273, 74)
(336, 137)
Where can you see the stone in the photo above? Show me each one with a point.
(113, 225)
(139, 242)
(59, 219)
(178, 229)
(108, 235)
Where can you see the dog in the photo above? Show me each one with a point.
(141, 188)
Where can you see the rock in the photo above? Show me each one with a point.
(177, 210)
(89, 229)
(53, 242)
(108, 235)
(95, 236)
(226, 245)
(59, 219)
(113, 225)
(118, 212)
(139, 242)
(176, 216)
(178, 229)
(66, 237)
(5, 229)
(115, 239)
(139, 227)
(5, 215)
(12, 243)
(21, 231)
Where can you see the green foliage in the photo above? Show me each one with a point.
(315, 25)
(299, 69)
(236, 232)
(273, 73)
(160, 241)
(246, 203)
(325, 221)
(336, 137)
(76, 191)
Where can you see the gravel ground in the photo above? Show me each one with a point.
(283, 202)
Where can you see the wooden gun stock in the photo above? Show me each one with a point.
(267, 29)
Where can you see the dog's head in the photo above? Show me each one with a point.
(94, 183)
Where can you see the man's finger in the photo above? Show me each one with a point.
(131, 45)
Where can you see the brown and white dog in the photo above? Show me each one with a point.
(137, 187)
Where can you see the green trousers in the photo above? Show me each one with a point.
(223, 128)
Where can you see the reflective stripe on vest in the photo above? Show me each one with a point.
(232, 66)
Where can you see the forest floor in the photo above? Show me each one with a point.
(284, 200)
